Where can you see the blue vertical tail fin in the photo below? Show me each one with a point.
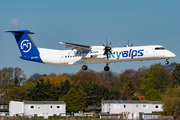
(26, 46)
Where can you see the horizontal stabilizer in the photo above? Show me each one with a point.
(21, 31)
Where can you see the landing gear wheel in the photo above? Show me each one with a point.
(167, 62)
(84, 67)
(106, 68)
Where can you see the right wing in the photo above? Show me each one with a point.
(76, 46)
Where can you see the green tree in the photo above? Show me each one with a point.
(95, 93)
(16, 93)
(16, 81)
(156, 77)
(65, 87)
(131, 91)
(43, 91)
(176, 75)
(9, 75)
(127, 84)
(29, 85)
(153, 95)
(75, 100)
(172, 102)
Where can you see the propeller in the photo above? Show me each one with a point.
(107, 49)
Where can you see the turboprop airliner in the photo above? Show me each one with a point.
(83, 55)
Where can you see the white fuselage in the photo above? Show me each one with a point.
(95, 55)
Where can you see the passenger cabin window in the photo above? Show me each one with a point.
(160, 48)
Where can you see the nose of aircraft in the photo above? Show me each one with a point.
(170, 54)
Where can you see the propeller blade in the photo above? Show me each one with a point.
(107, 56)
(110, 52)
(107, 49)
(106, 42)
(110, 43)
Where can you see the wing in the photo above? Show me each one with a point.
(76, 46)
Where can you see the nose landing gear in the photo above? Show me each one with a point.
(167, 62)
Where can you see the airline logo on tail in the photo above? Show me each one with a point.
(25, 46)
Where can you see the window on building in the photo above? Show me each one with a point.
(50, 106)
(1, 106)
(124, 106)
(5, 106)
(137, 106)
(58, 107)
(39, 107)
(31, 107)
(144, 106)
(156, 106)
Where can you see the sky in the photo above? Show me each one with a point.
(153, 22)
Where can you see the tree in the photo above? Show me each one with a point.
(29, 85)
(170, 67)
(156, 77)
(172, 102)
(127, 84)
(95, 93)
(91, 77)
(176, 75)
(110, 77)
(34, 77)
(64, 87)
(16, 81)
(56, 79)
(74, 79)
(142, 71)
(131, 91)
(153, 95)
(75, 100)
(43, 91)
(16, 93)
(9, 75)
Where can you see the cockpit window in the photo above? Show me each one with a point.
(160, 48)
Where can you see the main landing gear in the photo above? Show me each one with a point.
(167, 62)
(106, 68)
(84, 67)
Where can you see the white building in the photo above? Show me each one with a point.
(130, 107)
(37, 108)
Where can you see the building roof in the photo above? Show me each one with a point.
(44, 102)
(131, 102)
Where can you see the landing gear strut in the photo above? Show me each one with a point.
(167, 62)
(84, 67)
(106, 68)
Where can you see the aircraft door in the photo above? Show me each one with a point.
(62, 58)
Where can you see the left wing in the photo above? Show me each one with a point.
(76, 46)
